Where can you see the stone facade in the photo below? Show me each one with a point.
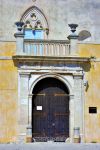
(78, 68)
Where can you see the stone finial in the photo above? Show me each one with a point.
(73, 37)
(73, 27)
(19, 25)
(19, 38)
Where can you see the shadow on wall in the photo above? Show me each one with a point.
(84, 35)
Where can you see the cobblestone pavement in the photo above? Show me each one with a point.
(50, 146)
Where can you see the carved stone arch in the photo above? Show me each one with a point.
(69, 87)
(33, 16)
(53, 75)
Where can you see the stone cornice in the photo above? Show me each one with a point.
(47, 41)
(70, 59)
(72, 37)
(19, 34)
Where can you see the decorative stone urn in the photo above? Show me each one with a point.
(73, 27)
(19, 25)
(73, 37)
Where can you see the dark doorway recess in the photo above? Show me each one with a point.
(50, 111)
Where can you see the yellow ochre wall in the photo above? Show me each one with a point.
(92, 93)
(9, 93)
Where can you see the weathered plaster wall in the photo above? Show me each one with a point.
(92, 94)
(8, 93)
(59, 14)
(9, 99)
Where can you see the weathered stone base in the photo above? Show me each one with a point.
(28, 139)
(76, 140)
(50, 146)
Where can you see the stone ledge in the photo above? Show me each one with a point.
(69, 59)
(50, 146)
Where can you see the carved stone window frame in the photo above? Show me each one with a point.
(35, 19)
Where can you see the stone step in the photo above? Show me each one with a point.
(50, 146)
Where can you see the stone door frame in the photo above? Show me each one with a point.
(76, 102)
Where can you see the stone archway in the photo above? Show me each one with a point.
(73, 83)
(68, 84)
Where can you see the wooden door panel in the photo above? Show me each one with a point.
(53, 120)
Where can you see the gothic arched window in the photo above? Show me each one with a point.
(36, 25)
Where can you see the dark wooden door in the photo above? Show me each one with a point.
(50, 111)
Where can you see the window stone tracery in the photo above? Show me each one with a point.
(34, 19)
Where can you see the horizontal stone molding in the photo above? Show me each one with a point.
(50, 58)
(5, 57)
(46, 41)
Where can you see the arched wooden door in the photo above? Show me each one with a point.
(50, 110)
